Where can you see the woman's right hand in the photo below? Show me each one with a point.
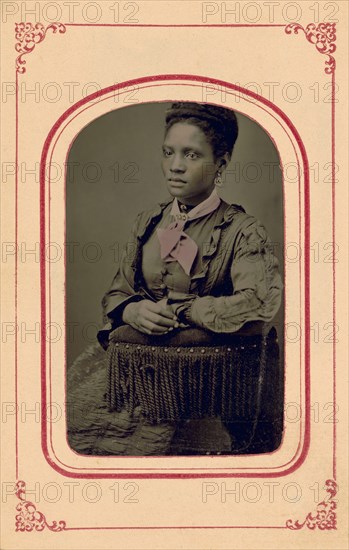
(150, 317)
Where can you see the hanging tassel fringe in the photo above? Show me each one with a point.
(171, 384)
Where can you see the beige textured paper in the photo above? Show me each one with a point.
(295, 497)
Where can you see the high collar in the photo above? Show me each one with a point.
(201, 209)
(149, 218)
(211, 203)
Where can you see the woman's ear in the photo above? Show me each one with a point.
(224, 161)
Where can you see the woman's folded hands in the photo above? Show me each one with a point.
(151, 317)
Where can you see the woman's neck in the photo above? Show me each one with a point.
(195, 201)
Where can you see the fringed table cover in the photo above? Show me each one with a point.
(172, 383)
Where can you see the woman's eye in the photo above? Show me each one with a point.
(166, 153)
(192, 155)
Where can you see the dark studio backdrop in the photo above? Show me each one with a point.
(114, 172)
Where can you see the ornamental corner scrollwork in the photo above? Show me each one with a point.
(28, 36)
(325, 517)
(323, 36)
(29, 518)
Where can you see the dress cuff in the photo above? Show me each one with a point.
(114, 320)
(183, 313)
(115, 315)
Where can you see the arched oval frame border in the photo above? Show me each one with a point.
(46, 426)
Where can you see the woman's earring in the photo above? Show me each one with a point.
(218, 180)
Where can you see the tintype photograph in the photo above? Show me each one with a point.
(174, 341)
(174, 276)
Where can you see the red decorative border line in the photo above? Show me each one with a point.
(323, 36)
(193, 80)
(325, 518)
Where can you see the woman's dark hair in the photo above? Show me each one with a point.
(218, 123)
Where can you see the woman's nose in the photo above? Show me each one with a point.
(177, 164)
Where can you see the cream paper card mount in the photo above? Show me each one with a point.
(66, 64)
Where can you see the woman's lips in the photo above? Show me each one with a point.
(176, 181)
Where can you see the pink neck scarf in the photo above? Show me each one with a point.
(177, 246)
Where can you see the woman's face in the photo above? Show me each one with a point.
(188, 163)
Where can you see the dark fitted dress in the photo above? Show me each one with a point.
(256, 298)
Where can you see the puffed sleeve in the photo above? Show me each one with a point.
(256, 282)
(121, 291)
